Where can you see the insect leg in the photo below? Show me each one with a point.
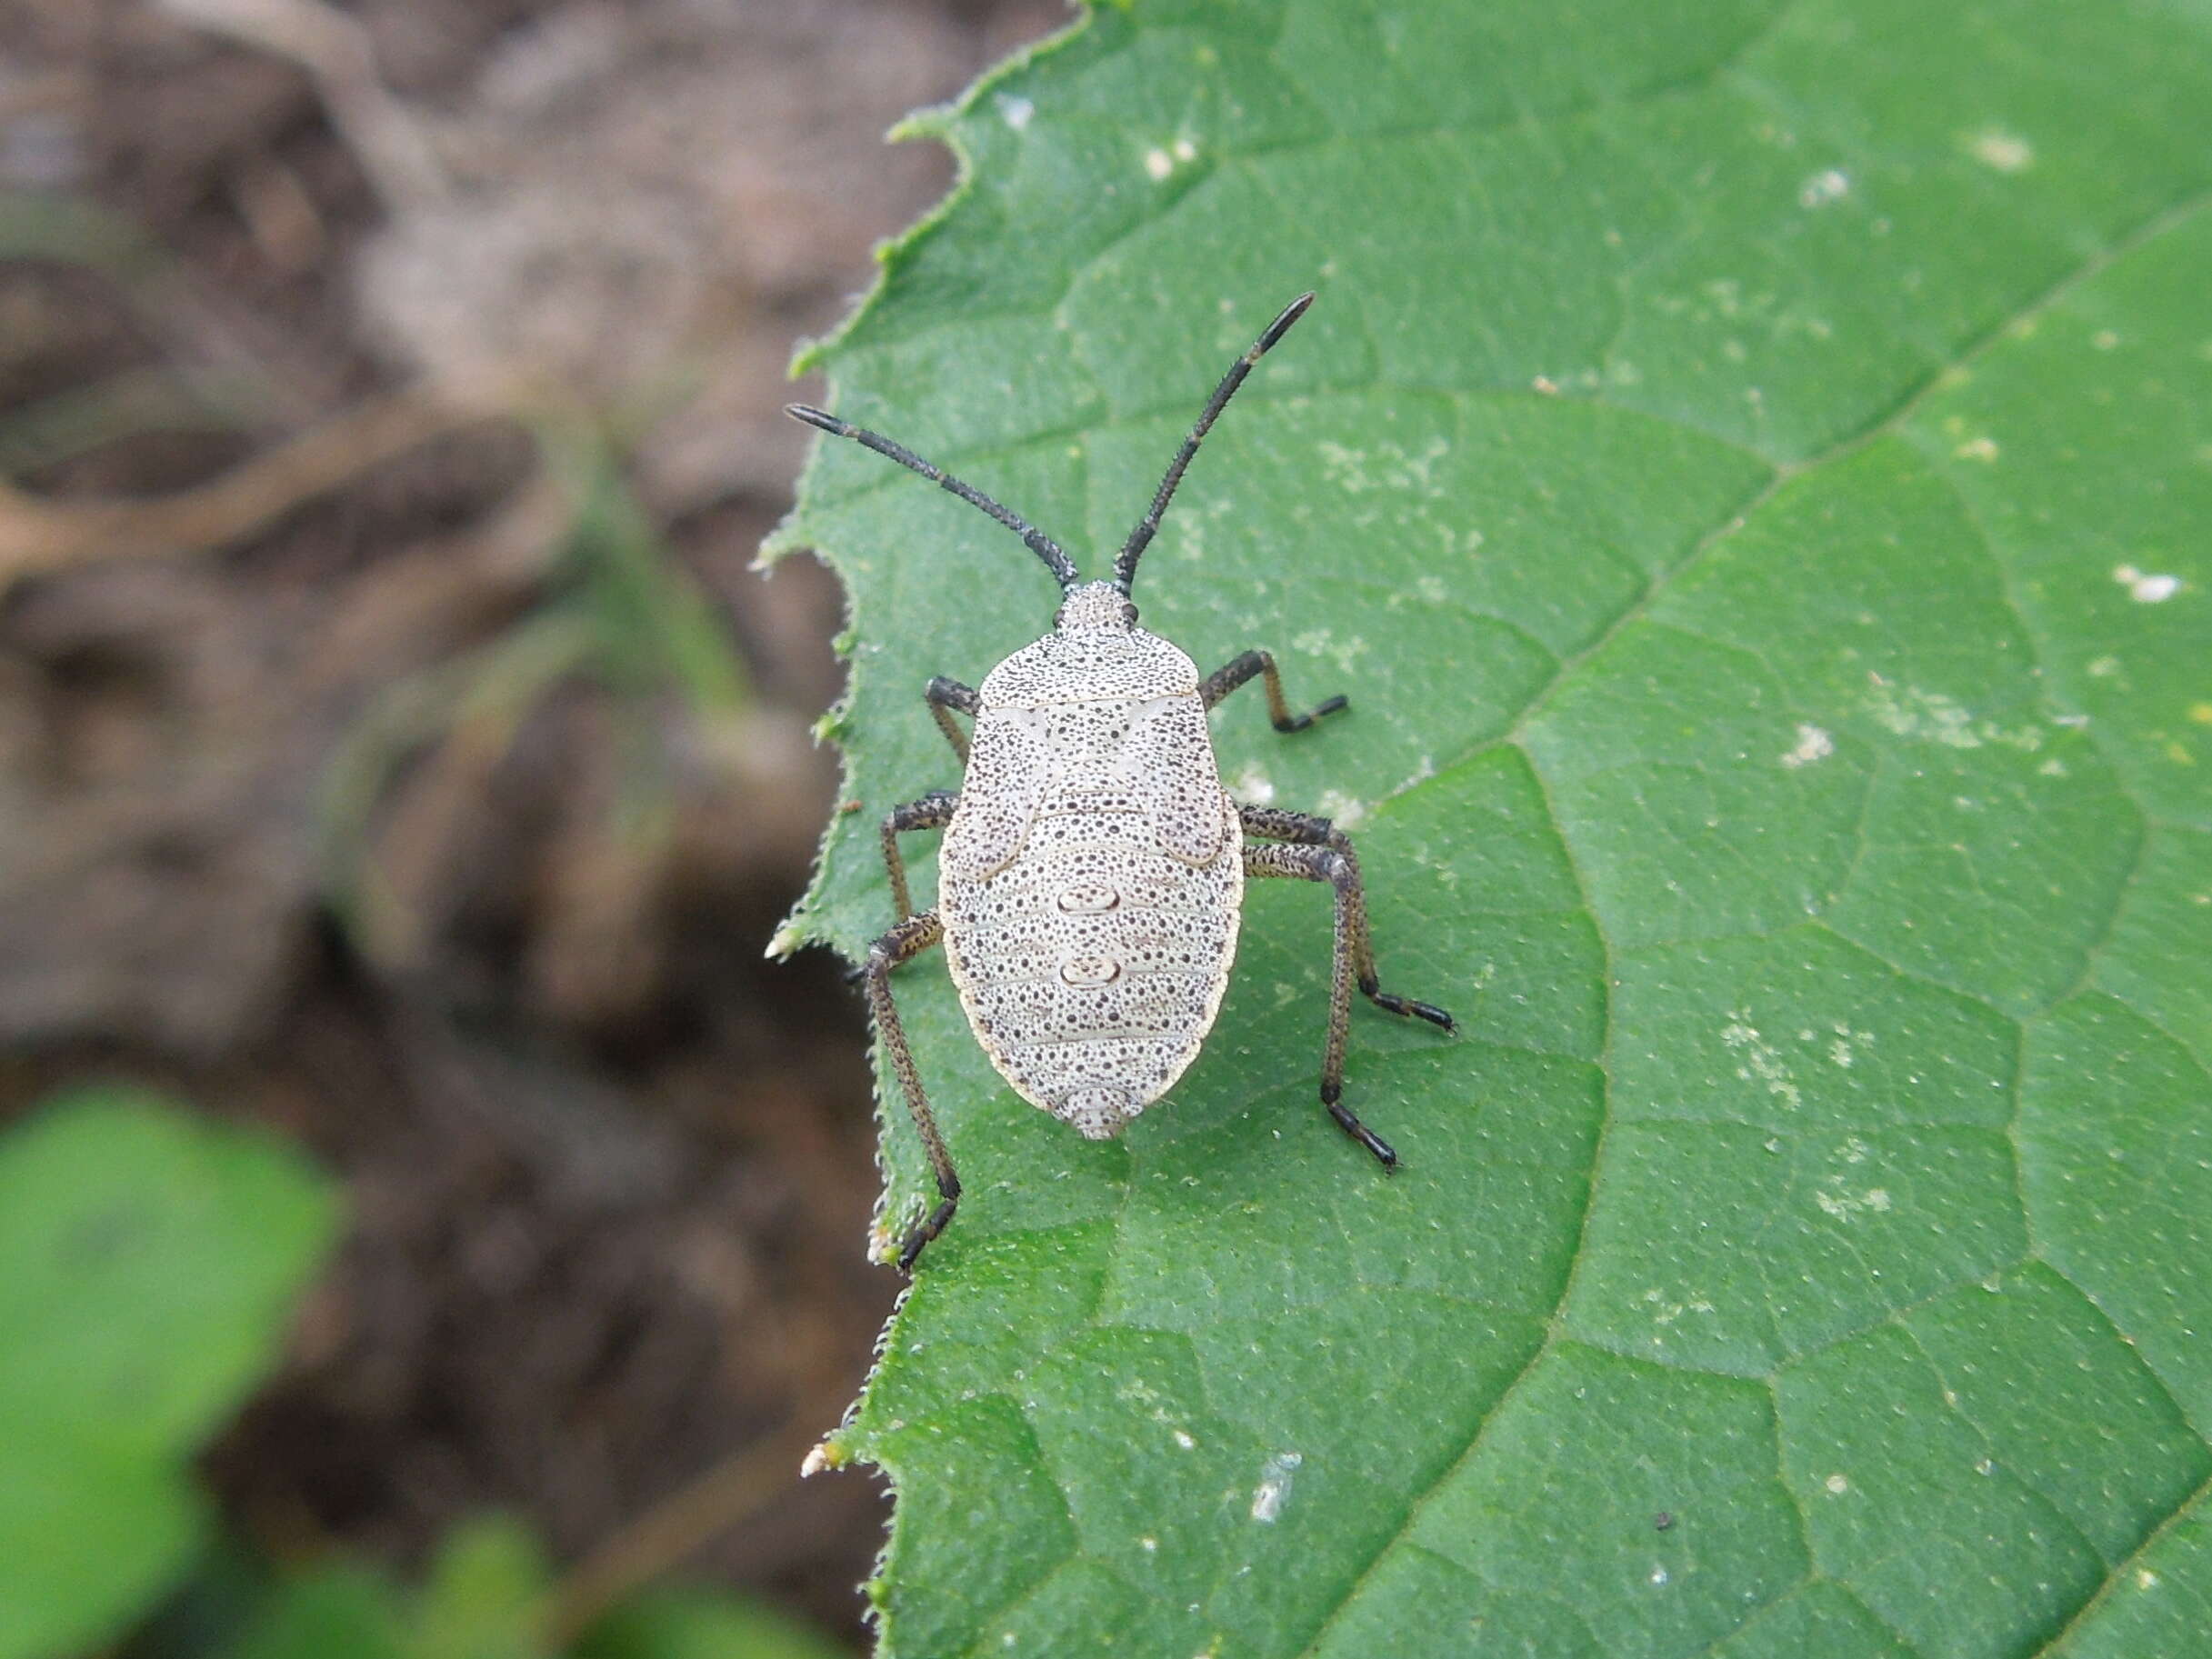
(1226, 679)
(1322, 864)
(942, 694)
(1304, 829)
(909, 939)
(933, 810)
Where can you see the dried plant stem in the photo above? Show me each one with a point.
(729, 1494)
(37, 535)
(336, 51)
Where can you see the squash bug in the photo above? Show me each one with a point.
(1091, 877)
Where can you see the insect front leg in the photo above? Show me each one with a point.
(933, 810)
(942, 694)
(909, 939)
(1228, 678)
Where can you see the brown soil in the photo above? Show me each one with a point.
(337, 796)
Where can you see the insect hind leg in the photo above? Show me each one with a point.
(1319, 851)
(908, 940)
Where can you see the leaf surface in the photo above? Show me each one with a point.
(1751, 468)
(149, 1264)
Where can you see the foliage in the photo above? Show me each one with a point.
(486, 1598)
(149, 1264)
(1749, 466)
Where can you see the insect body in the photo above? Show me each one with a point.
(1092, 869)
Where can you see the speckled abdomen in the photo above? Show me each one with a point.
(1092, 965)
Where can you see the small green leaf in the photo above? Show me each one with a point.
(669, 1624)
(1751, 468)
(485, 1595)
(334, 1613)
(148, 1265)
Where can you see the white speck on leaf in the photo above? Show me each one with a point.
(1812, 744)
(1665, 1313)
(1015, 112)
(1831, 185)
(1658, 1575)
(1321, 642)
(1983, 448)
(1929, 716)
(1253, 787)
(1386, 466)
(2006, 152)
(1186, 150)
(1159, 162)
(1274, 1489)
(2146, 1579)
(1838, 1484)
(1342, 807)
(1845, 1205)
(1762, 1060)
(2144, 587)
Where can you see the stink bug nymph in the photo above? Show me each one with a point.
(1092, 873)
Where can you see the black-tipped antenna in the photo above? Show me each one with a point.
(1125, 564)
(1062, 567)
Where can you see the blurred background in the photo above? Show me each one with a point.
(399, 754)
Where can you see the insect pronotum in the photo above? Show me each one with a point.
(1092, 874)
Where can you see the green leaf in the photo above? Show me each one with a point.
(486, 1597)
(483, 1598)
(674, 1623)
(485, 1594)
(332, 1612)
(1751, 468)
(148, 1263)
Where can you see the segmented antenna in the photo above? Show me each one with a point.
(1125, 564)
(1062, 567)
